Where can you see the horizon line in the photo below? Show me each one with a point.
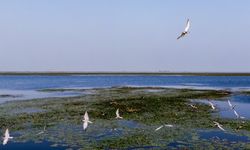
(119, 72)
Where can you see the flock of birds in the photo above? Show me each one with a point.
(86, 120)
(232, 107)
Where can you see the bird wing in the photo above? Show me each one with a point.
(229, 103)
(117, 113)
(221, 128)
(182, 34)
(235, 112)
(7, 134)
(212, 105)
(241, 117)
(5, 141)
(86, 116)
(217, 123)
(187, 26)
(85, 125)
(159, 128)
(169, 125)
(40, 133)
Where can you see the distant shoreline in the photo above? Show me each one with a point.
(129, 73)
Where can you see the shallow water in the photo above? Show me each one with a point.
(241, 102)
(26, 86)
(41, 82)
(15, 95)
(31, 146)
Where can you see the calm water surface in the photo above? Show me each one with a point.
(25, 87)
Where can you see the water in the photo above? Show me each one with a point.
(14, 87)
(26, 87)
(31, 145)
(41, 82)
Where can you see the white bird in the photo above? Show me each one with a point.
(166, 125)
(159, 128)
(212, 105)
(193, 106)
(185, 32)
(219, 126)
(86, 121)
(6, 137)
(44, 129)
(237, 115)
(169, 125)
(117, 114)
(230, 104)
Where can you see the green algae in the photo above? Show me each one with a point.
(63, 116)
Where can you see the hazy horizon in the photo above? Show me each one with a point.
(124, 36)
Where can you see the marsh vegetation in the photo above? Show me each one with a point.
(143, 109)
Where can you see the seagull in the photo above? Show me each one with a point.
(6, 137)
(230, 104)
(166, 125)
(44, 129)
(212, 105)
(117, 114)
(86, 121)
(185, 30)
(193, 106)
(219, 126)
(237, 115)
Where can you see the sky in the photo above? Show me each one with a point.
(124, 35)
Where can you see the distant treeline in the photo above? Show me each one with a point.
(127, 73)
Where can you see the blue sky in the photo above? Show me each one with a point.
(124, 35)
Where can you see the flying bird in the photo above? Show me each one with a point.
(86, 121)
(230, 104)
(212, 105)
(185, 32)
(219, 126)
(117, 114)
(44, 129)
(193, 106)
(6, 137)
(166, 125)
(237, 115)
